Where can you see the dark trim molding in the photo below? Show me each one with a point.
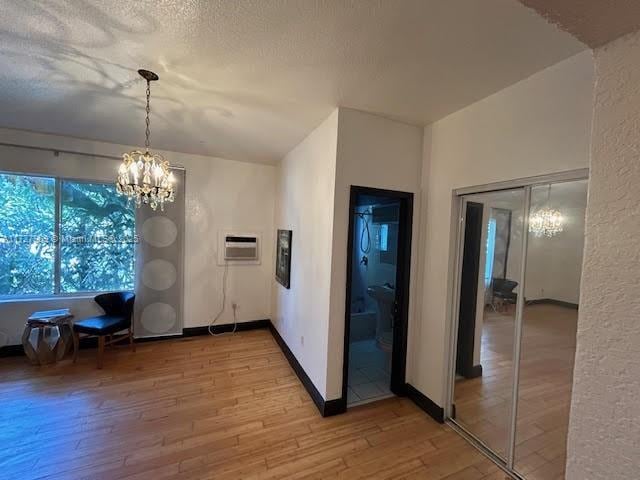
(11, 351)
(326, 408)
(469, 289)
(159, 338)
(553, 301)
(17, 350)
(425, 403)
(92, 342)
(227, 327)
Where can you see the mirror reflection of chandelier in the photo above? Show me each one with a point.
(143, 176)
(546, 222)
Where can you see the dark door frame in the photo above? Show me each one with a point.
(469, 291)
(403, 271)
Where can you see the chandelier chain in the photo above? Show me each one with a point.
(145, 177)
(147, 131)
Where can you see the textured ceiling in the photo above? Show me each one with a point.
(593, 22)
(249, 79)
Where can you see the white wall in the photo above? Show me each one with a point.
(304, 204)
(375, 152)
(554, 265)
(219, 194)
(537, 126)
(604, 431)
(348, 148)
(230, 196)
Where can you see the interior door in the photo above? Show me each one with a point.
(401, 302)
(377, 299)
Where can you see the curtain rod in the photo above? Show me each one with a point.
(57, 151)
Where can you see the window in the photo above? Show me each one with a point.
(97, 230)
(27, 224)
(384, 237)
(93, 249)
(490, 252)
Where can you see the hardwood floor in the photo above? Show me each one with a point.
(225, 408)
(483, 404)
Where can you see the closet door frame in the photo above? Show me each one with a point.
(456, 248)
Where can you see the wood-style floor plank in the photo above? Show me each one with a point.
(219, 408)
(546, 376)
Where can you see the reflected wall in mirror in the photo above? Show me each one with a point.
(491, 262)
(550, 315)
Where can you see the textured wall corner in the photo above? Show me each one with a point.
(604, 432)
(593, 22)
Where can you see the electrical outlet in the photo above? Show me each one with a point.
(302, 340)
(235, 305)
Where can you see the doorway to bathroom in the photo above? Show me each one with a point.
(377, 295)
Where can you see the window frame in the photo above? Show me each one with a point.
(57, 293)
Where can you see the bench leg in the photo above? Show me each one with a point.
(76, 345)
(100, 351)
(131, 344)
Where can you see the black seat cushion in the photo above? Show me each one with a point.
(102, 325)
(503, 289)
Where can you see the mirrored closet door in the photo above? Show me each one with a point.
(517, 295)
(490, 275)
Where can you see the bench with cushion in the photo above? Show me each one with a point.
(118, 311)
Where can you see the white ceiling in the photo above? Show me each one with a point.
(249, 79)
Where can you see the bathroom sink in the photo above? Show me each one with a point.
(384, 297)
(382, 293)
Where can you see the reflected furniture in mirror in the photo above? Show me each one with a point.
(502, 292)
(520, 263)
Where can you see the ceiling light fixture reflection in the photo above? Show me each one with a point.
(546, 222)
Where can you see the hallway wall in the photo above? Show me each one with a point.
(538, 126)
(605, 412)
(304, 204)
(348, 148)
(372, 152)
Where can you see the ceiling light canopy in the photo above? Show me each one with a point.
(143, 176)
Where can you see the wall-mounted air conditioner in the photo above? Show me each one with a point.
(238, 248)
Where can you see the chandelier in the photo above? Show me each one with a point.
(143, 176)
(546, 222)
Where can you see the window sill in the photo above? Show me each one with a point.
(49, 298)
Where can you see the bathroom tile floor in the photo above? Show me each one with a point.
(369, 373)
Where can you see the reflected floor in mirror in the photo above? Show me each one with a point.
(483, 404)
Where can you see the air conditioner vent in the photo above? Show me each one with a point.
(240, 247)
